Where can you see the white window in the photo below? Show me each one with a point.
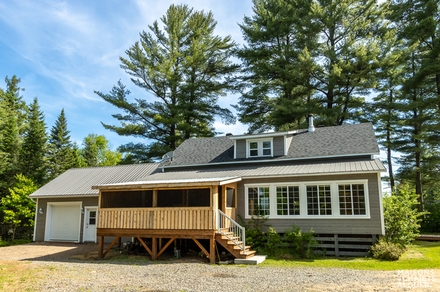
(351, 199)
(309, 200)
(257, 148)
(288, 200)
(259, 201)
(319, 200)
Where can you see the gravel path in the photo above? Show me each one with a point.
(69, 267)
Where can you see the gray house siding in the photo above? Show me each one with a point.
(40, 223)
(278, 146)
(241, 149)
(351, 225)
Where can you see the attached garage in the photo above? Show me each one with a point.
(63, 221)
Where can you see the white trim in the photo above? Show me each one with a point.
(48, 226)
(235, 149)
(303, 199)
(263, 135)
(85, 217)
(260, 148)
(382, 219)
(64, 196)
(35, 220)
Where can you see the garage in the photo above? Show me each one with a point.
(63, 221)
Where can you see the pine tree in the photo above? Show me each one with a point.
(33, 151)
(309, 57)
(61, 152)
(12, 128)
(419, 29)
(185, 68)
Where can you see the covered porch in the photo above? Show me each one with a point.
(157, 213)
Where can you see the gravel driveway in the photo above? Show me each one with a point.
(74, 267)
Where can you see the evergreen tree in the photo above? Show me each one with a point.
(96, 152)
(33, 151)
(12, 128)
(419, 29)
(185, 67)
(309, 57)
(61, 152)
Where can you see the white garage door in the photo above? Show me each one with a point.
(64, 221)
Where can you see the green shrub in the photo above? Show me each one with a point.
(385, 250)
(301, 244)
(255, 235)
(402, 219)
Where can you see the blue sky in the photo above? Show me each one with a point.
(64, 50)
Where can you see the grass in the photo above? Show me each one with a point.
(420, 255)
(15, 242)
(18, 276)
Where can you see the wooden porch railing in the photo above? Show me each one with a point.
(157, 218)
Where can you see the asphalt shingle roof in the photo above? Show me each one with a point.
(334, 141)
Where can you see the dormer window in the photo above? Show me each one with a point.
(258, 148)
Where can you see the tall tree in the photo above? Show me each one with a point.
(12, 128)
(97, 152)
(331, 47)
(33, 151)
(61, 152)
(419, 29)
(185, 68)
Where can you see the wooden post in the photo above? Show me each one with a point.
(336, 246)
(100, 246)
(154, 248)
(212, 250)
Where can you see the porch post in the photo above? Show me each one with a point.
(212, 250)
(100, 246)
(154, 248)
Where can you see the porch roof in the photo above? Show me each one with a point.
(178, 182)
(221, 176)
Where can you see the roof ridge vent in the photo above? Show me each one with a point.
(311, 126)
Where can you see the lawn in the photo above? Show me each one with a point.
(420, 255)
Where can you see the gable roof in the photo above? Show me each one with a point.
(78, 181)
(337, 141)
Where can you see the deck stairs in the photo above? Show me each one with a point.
(231, 236)
(232, 244)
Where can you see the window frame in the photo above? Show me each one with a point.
(302, 185)
(260, 149)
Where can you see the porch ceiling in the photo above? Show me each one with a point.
(166, 183)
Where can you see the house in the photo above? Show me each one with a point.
(325, 178)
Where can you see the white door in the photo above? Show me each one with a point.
(63, 221)
(90, 221)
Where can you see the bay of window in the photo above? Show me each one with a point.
(319, 200)
(352, 199)
(259, 201)
(288, 200)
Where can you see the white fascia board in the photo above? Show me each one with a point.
(262, 135)
(65, 196)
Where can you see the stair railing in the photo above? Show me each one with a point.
(227, 227)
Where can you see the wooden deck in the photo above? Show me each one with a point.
(189, 218)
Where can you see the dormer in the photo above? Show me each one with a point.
(265, 145)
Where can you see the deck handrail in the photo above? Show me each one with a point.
(227, 227)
